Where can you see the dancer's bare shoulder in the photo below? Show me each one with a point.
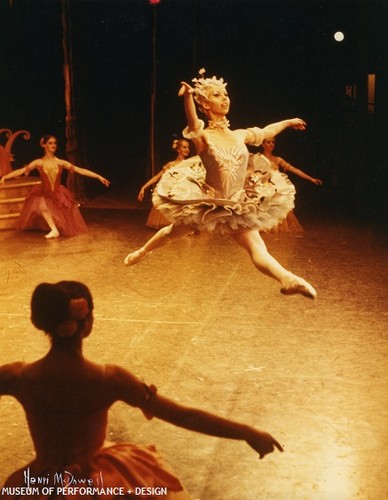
(9, 375)
(125, 386)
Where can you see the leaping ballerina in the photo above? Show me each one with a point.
(216, 195)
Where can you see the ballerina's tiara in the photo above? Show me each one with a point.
(202, 84)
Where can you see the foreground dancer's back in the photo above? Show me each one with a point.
(220, 201)
(66, 399)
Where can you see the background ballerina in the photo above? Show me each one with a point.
(155, 219)
(266, 159)
(50, 204)
(213, 198)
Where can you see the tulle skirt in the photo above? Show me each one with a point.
(59, 203)
(183, 197)
(156, 219)
(290, 224)
(122, 470)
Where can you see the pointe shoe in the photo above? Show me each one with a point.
(54, 233)
(294, 284)
(133, 258)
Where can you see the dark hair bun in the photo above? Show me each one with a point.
(49, 307)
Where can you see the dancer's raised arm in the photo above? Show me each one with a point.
(193, 122)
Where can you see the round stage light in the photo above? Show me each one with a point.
(339, 36)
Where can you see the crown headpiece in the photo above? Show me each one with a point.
(202, 84)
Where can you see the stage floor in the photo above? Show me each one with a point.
(199, 322)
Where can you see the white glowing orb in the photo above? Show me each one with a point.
(339, 36)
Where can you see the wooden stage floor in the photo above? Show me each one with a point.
(198, 321)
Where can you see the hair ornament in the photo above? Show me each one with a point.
(67, 328)
(202, 84)
(79, 310)
(177, 143)
(44, 139)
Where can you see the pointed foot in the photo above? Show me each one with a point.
(135, 257)
(295, 284)
(54, 233)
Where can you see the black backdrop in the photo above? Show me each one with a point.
(278, 56)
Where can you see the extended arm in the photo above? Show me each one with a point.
(20, 171)
(193, 122)
(275, 128)
(129, 389)
(149, 183)
(213, 425)
(256, 136)
(85, 172)
(289, 168)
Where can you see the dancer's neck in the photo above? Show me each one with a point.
(49, 156)
(218, 123)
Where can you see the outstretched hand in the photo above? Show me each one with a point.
(298, 124)
(263, 443)
(140, 196)
(104, 181)
(185, 89)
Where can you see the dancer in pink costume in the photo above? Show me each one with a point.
(155, 218)
(213, 197)
(50, 204)
(267, 161)
(66, 399)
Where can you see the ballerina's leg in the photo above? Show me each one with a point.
(46, 214)
(268, 265)
(160, 239)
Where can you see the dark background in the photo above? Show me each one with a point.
(278, 56)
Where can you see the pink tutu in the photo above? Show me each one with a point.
(122, 470)
(60, 203)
